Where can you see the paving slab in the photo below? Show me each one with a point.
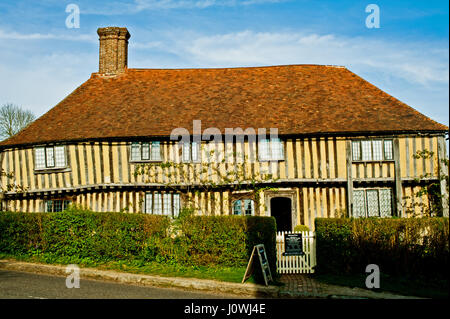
(303, 285)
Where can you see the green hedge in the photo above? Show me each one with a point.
(228, 240)
(74, 236)
(409, 247)
(80, 234)
(300, 228)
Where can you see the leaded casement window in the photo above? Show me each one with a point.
(56, 205)
(145, 151)
(190, 152)
(271, 149)
(372, 150)
(244, 207)
(47, 157)
(388, 152)
(167, 204)
(372, 202)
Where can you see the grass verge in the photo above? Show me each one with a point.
(227, 274)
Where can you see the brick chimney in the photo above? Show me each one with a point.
(113, 57)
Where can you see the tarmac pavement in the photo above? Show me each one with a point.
(113, 284)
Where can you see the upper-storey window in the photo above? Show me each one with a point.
(190, 152)
(271, 150)
(46, 157)
(146, 151)
(372, 150)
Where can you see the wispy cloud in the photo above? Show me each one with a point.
(417, 73)
(120, 7)
(424, 63)
(12, 35)
(199, 4)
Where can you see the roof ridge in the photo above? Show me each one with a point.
(239, 67)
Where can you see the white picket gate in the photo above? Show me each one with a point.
(297, 264)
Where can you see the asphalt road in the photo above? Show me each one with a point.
(21, 285)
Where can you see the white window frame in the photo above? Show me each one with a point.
(147, 149)
(358, 149)
(243, 202)
(190, 152)
(267, 150)
(51, 157)
(167, 204)
(391, 150)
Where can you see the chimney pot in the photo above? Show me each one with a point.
(113, 55)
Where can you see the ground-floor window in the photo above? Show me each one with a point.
(244, 207)
(372, 202)
(162, 204)
(56, 205)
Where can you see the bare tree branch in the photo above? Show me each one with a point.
(13, 119)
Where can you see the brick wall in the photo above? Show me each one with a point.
(113, 55)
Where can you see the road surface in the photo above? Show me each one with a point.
(22, 285)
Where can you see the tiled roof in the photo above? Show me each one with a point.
(296, 99)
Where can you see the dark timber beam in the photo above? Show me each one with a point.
(348, 149)
(398, 179)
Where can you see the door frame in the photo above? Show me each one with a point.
(287, 193)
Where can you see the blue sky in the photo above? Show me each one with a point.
(42, 61)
